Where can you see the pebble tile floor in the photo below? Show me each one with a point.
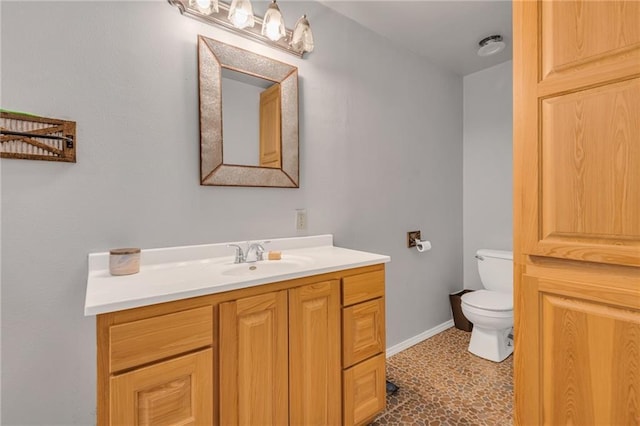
(443, 384)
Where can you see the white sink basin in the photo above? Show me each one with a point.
(268, 267)
(176, 273)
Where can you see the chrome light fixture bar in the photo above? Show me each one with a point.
(220, 17)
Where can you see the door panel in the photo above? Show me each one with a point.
(590, 169)
(585, 344)
(589, 355)
(576, 150)
(577, 212)
(584, 42)
(575, 32)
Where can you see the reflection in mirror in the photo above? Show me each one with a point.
(250, 120)
(270, 109)
(255, 100)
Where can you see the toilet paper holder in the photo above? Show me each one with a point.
(414, 239)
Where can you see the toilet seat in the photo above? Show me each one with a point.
(488, 300)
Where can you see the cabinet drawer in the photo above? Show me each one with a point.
(362, 331)
(140, 342)
(359, 288)
(364, 391)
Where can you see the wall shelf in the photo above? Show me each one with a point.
(30, 137)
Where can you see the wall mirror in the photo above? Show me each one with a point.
(248, 118)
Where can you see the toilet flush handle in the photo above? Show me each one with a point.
(479, 257)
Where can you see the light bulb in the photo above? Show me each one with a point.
(273, 24)
(241, 14)
(273, 32)
(205, 6)
(240, 18)
(302, 38)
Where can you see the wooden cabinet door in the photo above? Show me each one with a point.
(174, 392)
(254, 361)
(314, 353)
(577, 211)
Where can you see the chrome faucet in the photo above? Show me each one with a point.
(240, 257)
(254, 253)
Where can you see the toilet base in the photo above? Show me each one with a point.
(494, 345)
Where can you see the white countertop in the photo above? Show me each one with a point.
(176, 273)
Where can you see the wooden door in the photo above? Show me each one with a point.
(174, 392)
(314, 351)
(270, 127)
(577, 212)
(253, 361)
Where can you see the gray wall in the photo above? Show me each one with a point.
(487, 169)
(241, 122)
(381, 154)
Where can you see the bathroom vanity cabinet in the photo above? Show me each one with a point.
(306, 351)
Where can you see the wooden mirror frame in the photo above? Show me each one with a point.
(213, 56)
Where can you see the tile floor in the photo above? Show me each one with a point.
(441, 383)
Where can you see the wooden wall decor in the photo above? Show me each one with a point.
(30, 137)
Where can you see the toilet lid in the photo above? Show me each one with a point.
(492, 300)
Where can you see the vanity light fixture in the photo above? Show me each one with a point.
(238, 17)
(273, 25)
(491, 45)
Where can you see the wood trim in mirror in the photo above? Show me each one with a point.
(213, 56)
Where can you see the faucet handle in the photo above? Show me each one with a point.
(260, 249)
(240, 256)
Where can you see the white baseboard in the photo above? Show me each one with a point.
(419, 338)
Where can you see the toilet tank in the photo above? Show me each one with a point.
(496, 269)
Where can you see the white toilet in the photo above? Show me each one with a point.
(491, 310)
